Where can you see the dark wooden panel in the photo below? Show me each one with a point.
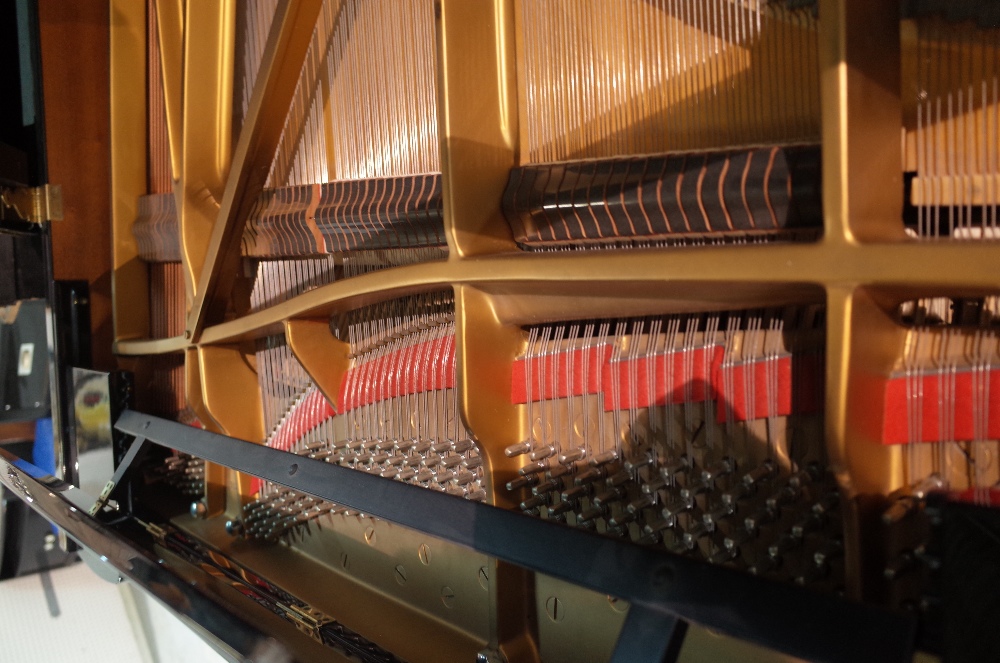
(75, 85)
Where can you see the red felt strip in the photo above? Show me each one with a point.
(745, 390)
(691, 376)
(679, 377)
(307, 414)
(426, 366)
(550, 374)
(933, 408)
(988, 496)
(799, 387)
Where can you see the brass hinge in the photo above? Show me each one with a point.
(307, 620)
(33, 204)
(102, 499)
(158, 533)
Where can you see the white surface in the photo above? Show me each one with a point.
(93, 624)
(169, 640)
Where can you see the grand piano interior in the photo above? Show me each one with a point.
(561, 330)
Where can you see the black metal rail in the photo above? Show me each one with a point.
(665, 590)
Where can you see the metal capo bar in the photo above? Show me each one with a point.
(665, 590)
(136, 451)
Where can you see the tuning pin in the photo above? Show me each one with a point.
(575, 493)
(760, 517)
(636, 463)
(635, 506)
(737, 538)
(785, 543)
(785, 495)
(463, 445)
(535, 501)
(764, 564)
(622, 519)
(698, 531)
(827, 503)
(517, 449)
(720, 469)
(759, 474)
(464, 477)
(901, 565)
(614, 530)
(560, 470)
(931, 561)
(649, 538)
(812, 573)
(457, 491)
(723, 510)
(542, 452)
(679, 466)
(561, 508)
(472, 463)
(521, 482)
(589, 476)
(620, 479)
(650, 487)
(831, 549)
(800, 479)
(452, 460)
(724, 555)
(572, 456)
(677, 506)
(546, 487)
(322, 454)
(604, 458)
(659, 525)
(900, 509)
(591, 514)
(444, 476)
(691, 492)
(534, 468)
(735, 494)
(809, 523)
(609, 496)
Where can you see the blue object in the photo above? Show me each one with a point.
(43, 453)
